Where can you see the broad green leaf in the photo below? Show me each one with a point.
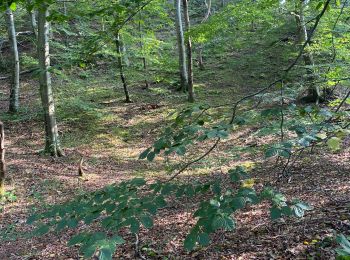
(275, 213)
(13, 6)
(78, 239)
(334, 144)
(190, 241)
(134, 225)
(150, 156)
(203, 239)
(146, 221)
(41, 230)
(144, 154)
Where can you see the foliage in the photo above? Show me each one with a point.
(132, 204)
(344, 251)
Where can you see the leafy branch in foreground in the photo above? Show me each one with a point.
(132, 204)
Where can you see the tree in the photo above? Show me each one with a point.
(144, 62)
(313, 93)
(32, 17)
(118, 45)
(189, 53)
(200, 48)
(52, 144)
(181, 47)
(14, 95)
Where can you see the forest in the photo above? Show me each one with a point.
(174, 129)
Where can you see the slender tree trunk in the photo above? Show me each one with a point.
(14, 92)
(2, 159)
(32, 18)
(181, 47)
(125, 56)
(52, 145)
(200, 49)
(120, 66)
(189, 53)
(313, 90)
(144, 62)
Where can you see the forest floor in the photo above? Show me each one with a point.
(97, 125)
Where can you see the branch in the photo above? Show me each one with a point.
(194, 161)
(21, 73)
(133, 14)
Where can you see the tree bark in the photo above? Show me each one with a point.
(313, 93)
(2, 159)
(189, 53)
(32, 17)
(144, 62)
(14, 92)
(181, 47)
(200, 49)
(52, 145)
(120, 66)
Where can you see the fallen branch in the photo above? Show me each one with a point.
(21, 73)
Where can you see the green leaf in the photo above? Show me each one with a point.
(238, 203)
(216, 188)
(134, 225)
(203, 239)
(160, 202)
(334, 144)
(144, 154)
(78, 239)
(229, 223)
(181, 150)
(146, 221)
(275, 213)
(41, 230)
(138, 182)
(215, 203)
(190, 241)
(33, 218)
(106, 253)
(13, 6)
(150, 156)
(118, 240)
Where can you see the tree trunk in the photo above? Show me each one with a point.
(120, 66)
(200, 49)
(313, 90)
(181, 47)
(14, 94)
(189, 53)
(2, 159)
(52, 145)
(32, 17)
(144, 62)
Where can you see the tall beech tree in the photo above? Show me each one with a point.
(32, 17)
(52, 144)
(14, 91)
(181, 47)
(189, 53)
(313, 93)
(200, 47)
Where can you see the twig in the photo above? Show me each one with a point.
(137, 249)
(194, 161)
